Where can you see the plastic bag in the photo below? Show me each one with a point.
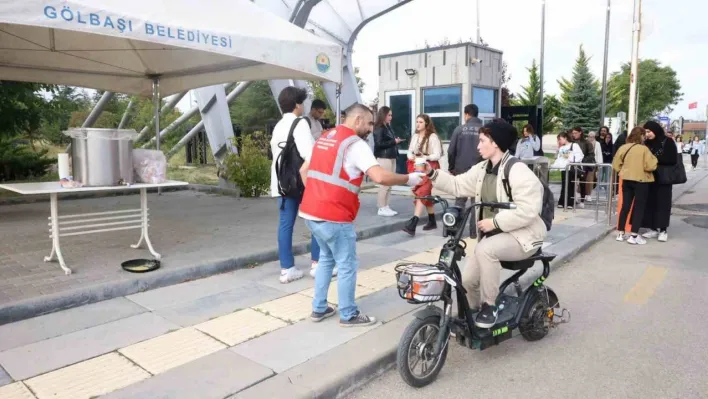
(150, 166)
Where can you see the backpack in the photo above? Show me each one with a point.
(287, 167)
(589, 151)
(548, 207)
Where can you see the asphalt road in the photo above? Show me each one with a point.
(639, 316)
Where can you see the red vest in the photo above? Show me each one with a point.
(330, 195)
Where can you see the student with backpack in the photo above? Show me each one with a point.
(505, 235)
(291, 146)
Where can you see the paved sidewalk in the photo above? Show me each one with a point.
(216, 336)
(198, 235)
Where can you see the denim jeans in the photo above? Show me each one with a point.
(604, 177)
(286, 226)
(337, 246)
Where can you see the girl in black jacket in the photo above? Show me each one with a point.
(386, 152)
(658, 207)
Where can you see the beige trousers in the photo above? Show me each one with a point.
(483, 270)
(385, 191)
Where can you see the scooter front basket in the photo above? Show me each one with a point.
(420, 283)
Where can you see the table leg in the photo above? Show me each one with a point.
(144, 236)
(56, 248)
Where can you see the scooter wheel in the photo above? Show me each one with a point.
(416, 360)
(534, 323)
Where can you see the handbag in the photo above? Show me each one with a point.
(671, 174)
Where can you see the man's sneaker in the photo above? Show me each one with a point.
(317, 316)
(636, 240)
(487, 317)
(663, 236)
(391, 210)
(359, 320)
(386, 212)
(620, 237)
(290, 275)
(313, 270)
(651, 234)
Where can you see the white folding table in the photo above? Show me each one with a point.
(91, 223)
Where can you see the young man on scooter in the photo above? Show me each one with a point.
(505, 235)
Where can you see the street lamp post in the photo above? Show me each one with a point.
(636, 29)
(604, 66)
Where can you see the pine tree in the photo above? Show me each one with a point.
(582, 106)
(530, 93)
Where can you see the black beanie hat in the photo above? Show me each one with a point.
(502, 133)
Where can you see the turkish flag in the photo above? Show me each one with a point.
(693, 105)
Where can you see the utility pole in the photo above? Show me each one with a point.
(543, 42)
(479, 37)
(636, 30)
(604, 66)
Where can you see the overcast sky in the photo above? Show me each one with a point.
(675, 33)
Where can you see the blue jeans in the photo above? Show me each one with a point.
(604, 177)
(338, 246)
(286, 226)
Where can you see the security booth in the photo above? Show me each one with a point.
(439, 81)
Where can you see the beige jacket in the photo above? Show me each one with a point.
(523, 223)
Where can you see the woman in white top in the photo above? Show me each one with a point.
(424, 144)
(679, 144)
(568, 152)
(697, 148)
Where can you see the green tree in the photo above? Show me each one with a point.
(58, 110)
(659, 90)
(551, 114)
(530, 94)
(582, 107)
(255, 107)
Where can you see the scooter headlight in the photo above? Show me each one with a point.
(450, 217)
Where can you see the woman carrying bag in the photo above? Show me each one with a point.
(669, 172)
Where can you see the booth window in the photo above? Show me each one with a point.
(443, 105)
(485, 99)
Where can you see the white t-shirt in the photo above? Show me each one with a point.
(303, 142)
(357, 160)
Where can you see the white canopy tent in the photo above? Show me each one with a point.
(156, 46)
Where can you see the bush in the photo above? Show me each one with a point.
(18, 162)
(250, 169)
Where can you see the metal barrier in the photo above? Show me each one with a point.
(610, 188)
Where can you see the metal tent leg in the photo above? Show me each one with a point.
(144, 236)
(54, 223)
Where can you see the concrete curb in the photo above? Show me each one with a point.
(161, 278)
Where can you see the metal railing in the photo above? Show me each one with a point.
(610, 187)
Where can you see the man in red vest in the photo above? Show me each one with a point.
(330, 204)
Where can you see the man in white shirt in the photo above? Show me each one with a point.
(317, 110)
(333, 177)
(291, 101)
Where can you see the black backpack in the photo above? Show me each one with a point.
(287, 166)
(549, 203)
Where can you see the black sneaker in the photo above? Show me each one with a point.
(358, 321)
(487, 317)
(319, 316)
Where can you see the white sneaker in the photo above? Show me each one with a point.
(313, 270)
(663, 236)
(636, 240)
(620, 237)
(386, 212)
(651, 234)
(391, 210)
(290, 275)
(581, 205)
(588, 198)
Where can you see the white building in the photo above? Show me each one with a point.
(439, 82)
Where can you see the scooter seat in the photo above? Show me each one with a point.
(528, 262)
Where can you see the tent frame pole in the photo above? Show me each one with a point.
(156, 104)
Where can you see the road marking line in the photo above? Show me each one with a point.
(646, 286)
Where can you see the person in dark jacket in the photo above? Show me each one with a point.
(589, 157)
(386, 152)
(462, 154)
(658, 210)
(607, 153)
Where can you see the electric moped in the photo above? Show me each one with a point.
(423, 348)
